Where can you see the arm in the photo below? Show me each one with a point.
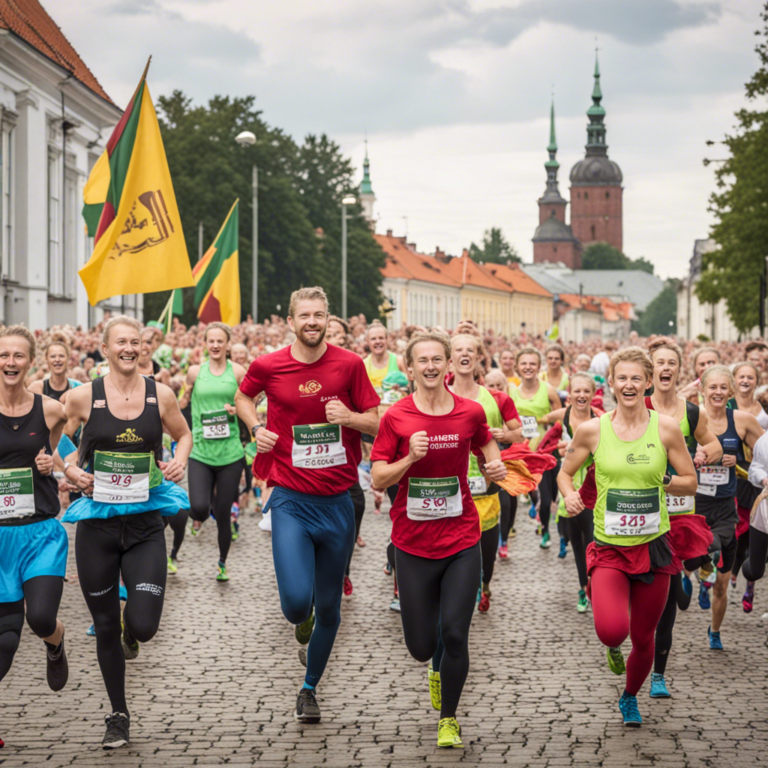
(189, 385)
(495, 468)
(36, 387)
(338, 413)
(684, 483)
(55, 419)
(554, 398)
(553, 416)
(78, 410)
(749, 425)
(246, 410)
(384, 474)
(512, 432)
(176, 426)
(584, 443)
(707, 439)
(239, 372)
(758, 469)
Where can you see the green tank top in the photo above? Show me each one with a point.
(478, 485)
(377, 375)
(631, 506)
(532, 410)
(215, 434)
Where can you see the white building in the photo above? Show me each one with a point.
(55, 120)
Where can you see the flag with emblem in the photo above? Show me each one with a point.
(139, 246)
(217, 275)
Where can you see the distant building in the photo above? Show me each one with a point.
(367, 196)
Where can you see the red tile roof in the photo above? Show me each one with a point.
(469, 272)
(518, 279)
(405, 263)
(576, 301)
(28, 20)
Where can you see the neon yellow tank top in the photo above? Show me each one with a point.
(532, 410)
(478, 483)
(377, 375)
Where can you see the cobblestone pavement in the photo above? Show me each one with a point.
(218, 684)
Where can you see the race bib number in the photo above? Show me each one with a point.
(121, 479)
(477, 484)
(317, 446)
(714, 476)
(17, 493)
(707, 490)
(632, 512)
(678, 504)
(433, 498)
(530, 427)
(215, 425)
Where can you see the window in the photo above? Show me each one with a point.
(607, 195)
(6, 203)
(586, 195)
(593, 232)
(55, 262)
(71, 229)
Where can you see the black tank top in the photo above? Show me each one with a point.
(21, 438)
(49, 391)
(104, 432)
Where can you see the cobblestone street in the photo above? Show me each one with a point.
(218, 684)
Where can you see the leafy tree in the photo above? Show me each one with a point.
(660, 315)
(605, 256)
(740, 205)
(495, 249)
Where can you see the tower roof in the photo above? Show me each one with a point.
(366, 187)
(552, 193)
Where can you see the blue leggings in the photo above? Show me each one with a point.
(312, 538)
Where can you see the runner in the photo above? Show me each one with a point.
(555, 374)
(716, 495)
(501, 417)
(754, 565)
(507, 365)
(703, 359)
(120, 530)
(147, 366)
(534, 400)
(57, 384)
(424, 445)
(217, 459)
(689, 534)
(33, 543)
(380, 362)
(320, 400)
(630, 561)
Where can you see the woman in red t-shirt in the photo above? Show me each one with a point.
(423, 444)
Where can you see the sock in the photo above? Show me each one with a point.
(222, 564)
(54, 649)
(308, 686)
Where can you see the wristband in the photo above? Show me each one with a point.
(666, 480)
(255, 428)
(66, 447)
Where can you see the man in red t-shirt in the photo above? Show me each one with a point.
(320, 401)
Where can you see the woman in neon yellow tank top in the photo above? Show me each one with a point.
(380, 362)
(630, 561)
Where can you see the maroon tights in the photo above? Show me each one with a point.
(627, 607)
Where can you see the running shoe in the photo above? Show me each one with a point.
(563, 548)
(222, 575)
(348, 586)
(532, 512)
(123, 593)
(545, 542)
(449, 734)
(235, 530)
(2, 743)
(749, 597)
(173, 565)
(435, 691)
(91, 631)
(307, 710)
(687, 585)
(395, 605)
(616, 661)
(195, 531)
(130, 646)
(629, 711)
(734, 579)
(303, 656)
(715, 643)
(704, 601)
(116, 736)
(715, 556)
(303, 631)
(388, 568)
(659, 687)
(583, 603)
(503, 552)
(485, 603)
(57, 670)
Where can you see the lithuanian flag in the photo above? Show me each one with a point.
(217, 276)
(139, 246)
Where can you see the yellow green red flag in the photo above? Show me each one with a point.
(217, 275)
(139, 245)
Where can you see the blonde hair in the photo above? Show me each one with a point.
(632, 355)
(665, 343)
(718, 370)
(467, 337)
(528, 351)
(221, 326)
(307, 294)
(738, 366)
(131, 322)
(419, 338)
(21, 332)
(497, 373)
(586, 377)
(374, 324)
(58, 340)
(702, 351)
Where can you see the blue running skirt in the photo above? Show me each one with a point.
(167, 499)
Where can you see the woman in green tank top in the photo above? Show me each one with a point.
(216, 462)
(630, 561)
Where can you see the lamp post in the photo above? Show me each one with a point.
(248, 139)
(346, 200)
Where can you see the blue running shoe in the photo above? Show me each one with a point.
(687, 586)
(123, 593)
(563, 548)
(91, 631)
(715, 643)
(704, 602)
(629, 711)
(659, 687)
(532, 512)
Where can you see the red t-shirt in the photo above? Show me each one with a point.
(451, 437)
(317, 460)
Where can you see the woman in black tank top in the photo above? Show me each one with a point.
(57, 385)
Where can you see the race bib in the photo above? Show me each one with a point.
(632, 512)
(530, 427)
(17, 493)
(477, 484)
(707, 490)
(714, 475)
(215, 425)
(317, 446)
(678, 504)
(433, 498)
(121, 478)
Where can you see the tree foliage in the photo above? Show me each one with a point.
(495, 248)
(740, 205)
(605, 256)
(660, 315)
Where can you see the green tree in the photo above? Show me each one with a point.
(660, 315)
(495, 249)
(740, 205)
(605, 256)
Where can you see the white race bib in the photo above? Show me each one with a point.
(434, 498)
(714, 475)
(17, 493)
(632, 512)
(677, 504)
(215, 425)
(317, 446)
(530, 427)
(121, 479)
(707, 490)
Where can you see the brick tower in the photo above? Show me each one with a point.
(596, 191)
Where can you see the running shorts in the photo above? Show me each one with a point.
(722, 517)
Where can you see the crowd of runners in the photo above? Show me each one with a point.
(647, 457)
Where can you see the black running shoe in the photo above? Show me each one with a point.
(130, 645)
(58, 669)
(116, 736)
(307, 710)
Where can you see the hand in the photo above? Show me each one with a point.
(728, 460)
(230, 409)
(496, 470)
(574, 505)
(418, 446)
(338, 413)
(688, 390)
(498, 434)
(44, 463)
(173, 470)
(765, 481)
(83, 482)
(265, 440)
(701, 458)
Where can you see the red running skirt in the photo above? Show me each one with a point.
(743, 525)
(630, 560)
(689, 536)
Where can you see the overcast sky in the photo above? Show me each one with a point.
(454, 95)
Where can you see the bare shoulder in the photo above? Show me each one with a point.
(193, 371)
(53, 410)
(669, 427)
(238, 370)
(36, 387)
(78, 395)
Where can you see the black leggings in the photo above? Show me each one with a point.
(754, 566)
(440, 594)
(580, 532)
(666, 625)
(508, 512)
(489, 546)
(132, 546)
(742, 551)
(178, 524)
(547, 494)
(215, 488)
(42, 595)
(358, 502)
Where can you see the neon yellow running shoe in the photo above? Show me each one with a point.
(435, 691)
(173, 565)
(616, 661)
(222, 574)
(449, 734)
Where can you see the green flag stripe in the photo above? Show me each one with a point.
(92, 214)
(226, 244)
(120, 158)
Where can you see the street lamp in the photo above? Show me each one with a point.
(346, 200)
(248, 139)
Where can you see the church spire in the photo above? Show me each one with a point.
(552, 193)
(365, 186)
(596, 114)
